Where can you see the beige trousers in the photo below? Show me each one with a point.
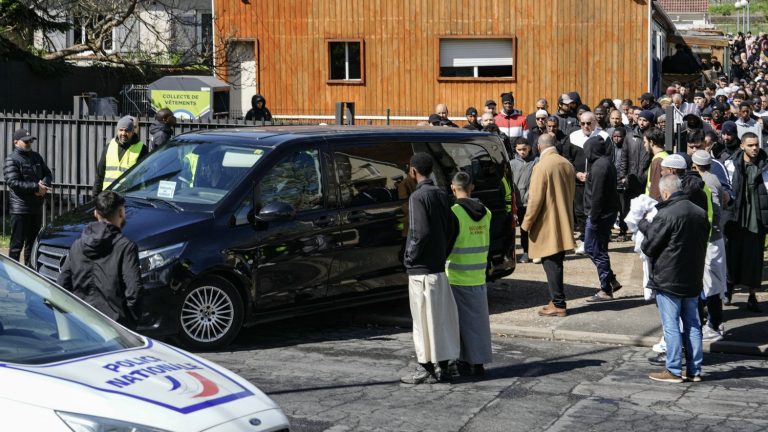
(435, 318)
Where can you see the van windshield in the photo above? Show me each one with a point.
(187, 172)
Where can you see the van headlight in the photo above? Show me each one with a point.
(153, 259)
(86, 423)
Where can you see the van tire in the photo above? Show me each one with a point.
(211, 314)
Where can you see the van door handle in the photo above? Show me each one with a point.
(356, 216)
(322, 221)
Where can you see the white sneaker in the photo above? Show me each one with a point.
(708, 334)
(660, 347)
(537, 260)
(579, 247)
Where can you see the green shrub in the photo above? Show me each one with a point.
(722, 9)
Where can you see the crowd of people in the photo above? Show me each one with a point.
(697, 207)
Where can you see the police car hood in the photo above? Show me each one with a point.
(156, 385)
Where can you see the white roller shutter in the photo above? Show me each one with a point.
(475, 52)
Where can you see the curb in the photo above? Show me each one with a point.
(726, 347)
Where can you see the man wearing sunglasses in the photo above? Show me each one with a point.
(573, 151)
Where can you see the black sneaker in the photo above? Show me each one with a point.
(444, 377)
(471, 370)
(453, 368)
(478, 370)
(752, 305)
(614, 284)
(464, 368)
(658, 360)
(419, 377)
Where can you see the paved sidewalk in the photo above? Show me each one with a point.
(627, 320)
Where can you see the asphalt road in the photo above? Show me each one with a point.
(336, 372)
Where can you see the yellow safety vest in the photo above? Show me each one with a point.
(710, 208)
(191, 159)
(115, 166)
(660, 155)
(467, 263)
(507, 195)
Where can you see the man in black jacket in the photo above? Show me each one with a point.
(161, 129)
(472, 123)
(746, 218)
(102, 267)
(259, 110)
(731, 141)
(29, 179)
(676, 243)
(431, 233)
(601, 204)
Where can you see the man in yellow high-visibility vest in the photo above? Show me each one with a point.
(466, 270)
(121, 153)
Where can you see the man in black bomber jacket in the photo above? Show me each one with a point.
(431, 234)
(29, 179)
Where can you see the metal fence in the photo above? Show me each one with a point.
(135, 100)
(71, 146)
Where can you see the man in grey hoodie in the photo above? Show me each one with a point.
(522, 167)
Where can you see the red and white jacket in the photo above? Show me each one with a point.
(512, 125)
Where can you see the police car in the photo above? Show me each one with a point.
(66, 367)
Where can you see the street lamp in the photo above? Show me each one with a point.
(745, 24)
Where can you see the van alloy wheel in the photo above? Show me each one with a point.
(211, 314)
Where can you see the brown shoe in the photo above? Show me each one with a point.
(551, 310)
(665, 376)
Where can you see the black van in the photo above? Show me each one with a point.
(326, 231)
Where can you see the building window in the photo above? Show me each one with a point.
(85, 28)
(477, 58)
(345, 58)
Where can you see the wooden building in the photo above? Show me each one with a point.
(408, 55)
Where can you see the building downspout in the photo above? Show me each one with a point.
(650, 46)
(213, 37)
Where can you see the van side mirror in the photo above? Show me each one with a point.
(275, 212)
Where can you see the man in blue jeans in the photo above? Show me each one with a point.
(601, 205)
(676, 243)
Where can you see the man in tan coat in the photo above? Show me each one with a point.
(549, 219)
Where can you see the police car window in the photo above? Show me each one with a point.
(40, 323)
(294, 180)
(471, 158)
(370, 174)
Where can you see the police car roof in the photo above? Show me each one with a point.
(273, 136)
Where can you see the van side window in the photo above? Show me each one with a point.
(295, 180)
(370, 174)
(471, 158)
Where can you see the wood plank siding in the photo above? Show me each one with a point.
(596, 47)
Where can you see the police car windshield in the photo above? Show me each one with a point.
(41, 323)
(190, 172)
